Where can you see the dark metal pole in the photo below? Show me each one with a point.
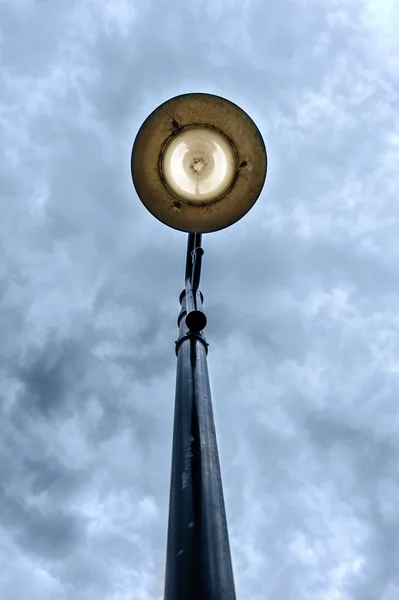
(198, 561)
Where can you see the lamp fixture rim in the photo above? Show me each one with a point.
(199, 110)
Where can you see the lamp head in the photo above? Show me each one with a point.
(198, 163)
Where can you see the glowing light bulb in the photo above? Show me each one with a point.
(198, 165)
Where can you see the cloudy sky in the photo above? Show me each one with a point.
(301, 297)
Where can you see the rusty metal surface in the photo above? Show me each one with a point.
(167, 121)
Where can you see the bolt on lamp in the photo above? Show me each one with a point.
(198, 165)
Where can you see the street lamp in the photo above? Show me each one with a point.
(198, 165)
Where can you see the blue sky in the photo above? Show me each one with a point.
(301, 297)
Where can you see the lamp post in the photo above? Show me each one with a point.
(198, 165)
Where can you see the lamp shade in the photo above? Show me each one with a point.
(198, 163)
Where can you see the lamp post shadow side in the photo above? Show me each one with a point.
(198, 562)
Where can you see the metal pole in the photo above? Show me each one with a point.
(198, 561)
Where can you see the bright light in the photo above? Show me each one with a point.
(198, 165)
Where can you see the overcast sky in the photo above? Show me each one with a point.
(301, 297)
